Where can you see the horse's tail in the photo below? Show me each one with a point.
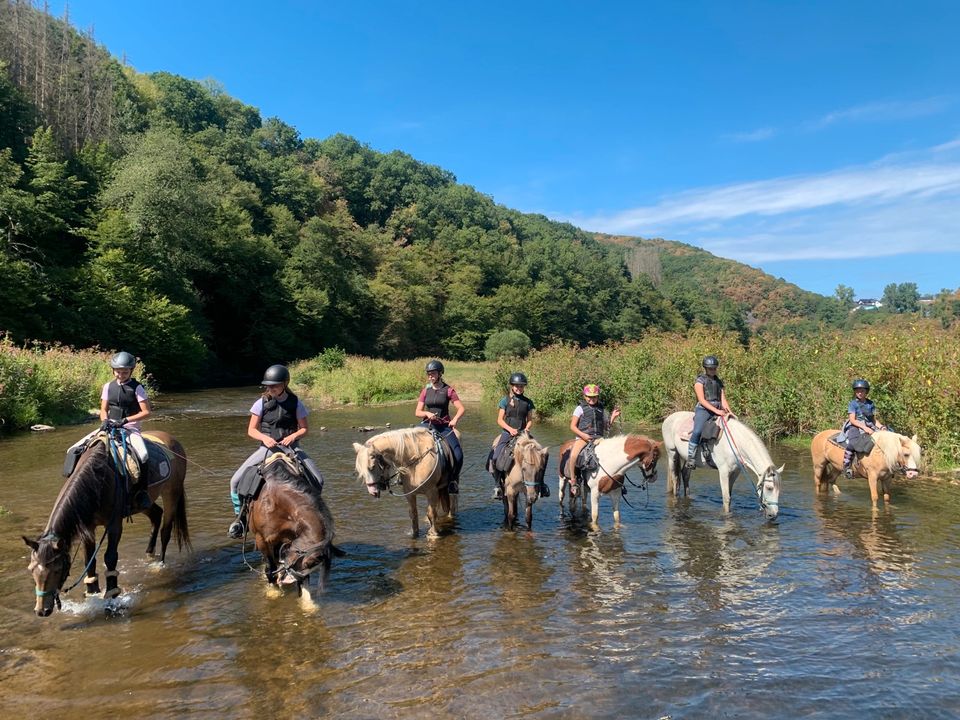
(180, 529)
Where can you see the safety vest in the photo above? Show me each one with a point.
(122, 399)
(279, 418)
(592, 421)
(436, 401)
(712, 389)
(865, 411)
(517, 411)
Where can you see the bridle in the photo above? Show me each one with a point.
(285, 568)
(385, 481)
(62, 561)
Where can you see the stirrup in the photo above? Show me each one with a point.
(544, 490)
(453, 487)
(848, 473)
(236, 530)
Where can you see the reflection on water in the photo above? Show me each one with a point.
(835, 610)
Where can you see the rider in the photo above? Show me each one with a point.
(515, 415)
(589, 422)
(277, 418)
(433, 409)
(861, 418)
(711, 400)
(123, 404)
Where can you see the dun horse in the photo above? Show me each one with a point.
(291, 524)
(96, 495)
(892, 453)
(616, 456)
(738, 447)
(415, 462)
(526, 475)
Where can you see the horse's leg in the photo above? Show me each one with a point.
(615, 496)
(91, 581)
(528, 512)
(872, 481)
(110, 558)
(414, 517)
(726, 483)
(885, 484)
(594, 503)
(156, 515)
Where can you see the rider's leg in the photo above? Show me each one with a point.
(700, 417)
(236, 528)
(578, 445)
(498, 476)
(310, 466)
(852, 434)
(453, 487)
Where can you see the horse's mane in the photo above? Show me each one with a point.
(280, 472)
(889, 444)
(79, 497)
(527, 450)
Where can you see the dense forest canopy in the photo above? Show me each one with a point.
(157, 214)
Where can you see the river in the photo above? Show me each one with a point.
(835, 610)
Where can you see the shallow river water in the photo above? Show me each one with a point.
(834, 610)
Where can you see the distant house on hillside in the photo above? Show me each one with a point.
(867, 304)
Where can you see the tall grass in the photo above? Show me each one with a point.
(781, 386)
(48, 384)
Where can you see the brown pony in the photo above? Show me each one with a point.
(291, 525)
(95, 495)
(529, 465)
(414, 461)
(892, 453)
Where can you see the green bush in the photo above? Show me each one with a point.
(507, 344)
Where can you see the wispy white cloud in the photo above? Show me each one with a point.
(883, 112)
(888, 208)
(758, 135)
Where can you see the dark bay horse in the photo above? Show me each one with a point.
(96, 495)
(291, 524)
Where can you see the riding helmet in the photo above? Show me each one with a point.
(275, 374)
(518, 378)
(435, 366)
(710, 361)
(861, 383)
(123, 360)
(591, 390)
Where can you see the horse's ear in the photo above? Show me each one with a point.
(32, 544)
(357, 447)
(780, 469)
(914, 438)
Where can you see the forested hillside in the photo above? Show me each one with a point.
(159, 215)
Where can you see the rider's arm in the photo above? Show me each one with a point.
(698, 389)
(724, 405)
(144, 411)
(302, 429)
(459, 414)
(253, 431)
(422, 413)
(503, 423)
(574, 422)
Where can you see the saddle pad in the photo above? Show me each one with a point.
(160, 460)
(686, 430)
(282, 457)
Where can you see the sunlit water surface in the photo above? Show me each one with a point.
(833, 611)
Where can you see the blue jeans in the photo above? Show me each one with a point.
(700, 417)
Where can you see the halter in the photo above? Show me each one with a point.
(386, 482)
(287, 568)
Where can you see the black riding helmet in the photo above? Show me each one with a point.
(275, 375)
(123, 360)
(861, 383)
(518, 378)
(710, 361)
(435, 365)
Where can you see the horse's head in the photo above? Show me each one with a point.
(50, 565)
(531, 457)
(910, 456)
(296, 564)
(645, 452)
(768, 491)
(372, 468)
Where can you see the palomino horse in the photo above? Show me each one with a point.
(892, 453)
(96, 495)
(417, 462)
(291, 524)
(616, 456)
(529, 465)
(738, 447)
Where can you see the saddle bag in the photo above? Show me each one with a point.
(862, 444)
(250, 483)
(504, 461)
(71, 458)
(711, 430)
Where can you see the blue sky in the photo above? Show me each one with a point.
(818, 141)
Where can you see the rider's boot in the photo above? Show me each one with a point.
(691, 456)
(238, 526)
(543, 489)
(497, 488)
(847, 460)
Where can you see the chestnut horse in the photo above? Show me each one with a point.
(529, 465)
(291, 524)
(416, 462)
(616, 456)
(892, 453)
(96, 495)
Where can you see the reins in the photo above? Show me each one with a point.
(737, 455)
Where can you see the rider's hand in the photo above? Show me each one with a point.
(513, 432)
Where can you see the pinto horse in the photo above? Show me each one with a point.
(616, 456)
(291, 524)
(416, 462)
(892, 453)
(737, 448)
(529, 465)
(96, 495)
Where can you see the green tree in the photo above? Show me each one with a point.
(902, 298)
(506, 343)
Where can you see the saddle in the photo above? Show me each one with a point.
(156, 466)
(862, 444)
(587, 461)
(711, 430)
(500, 463)
(252, 480)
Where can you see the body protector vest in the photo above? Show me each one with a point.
(865, 411)
(517, 412)
(592, 422)
(122, 399)
(279, 419)
(436, 401)
(712, 388)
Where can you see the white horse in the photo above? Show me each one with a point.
(616, 456)
(737, 447)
